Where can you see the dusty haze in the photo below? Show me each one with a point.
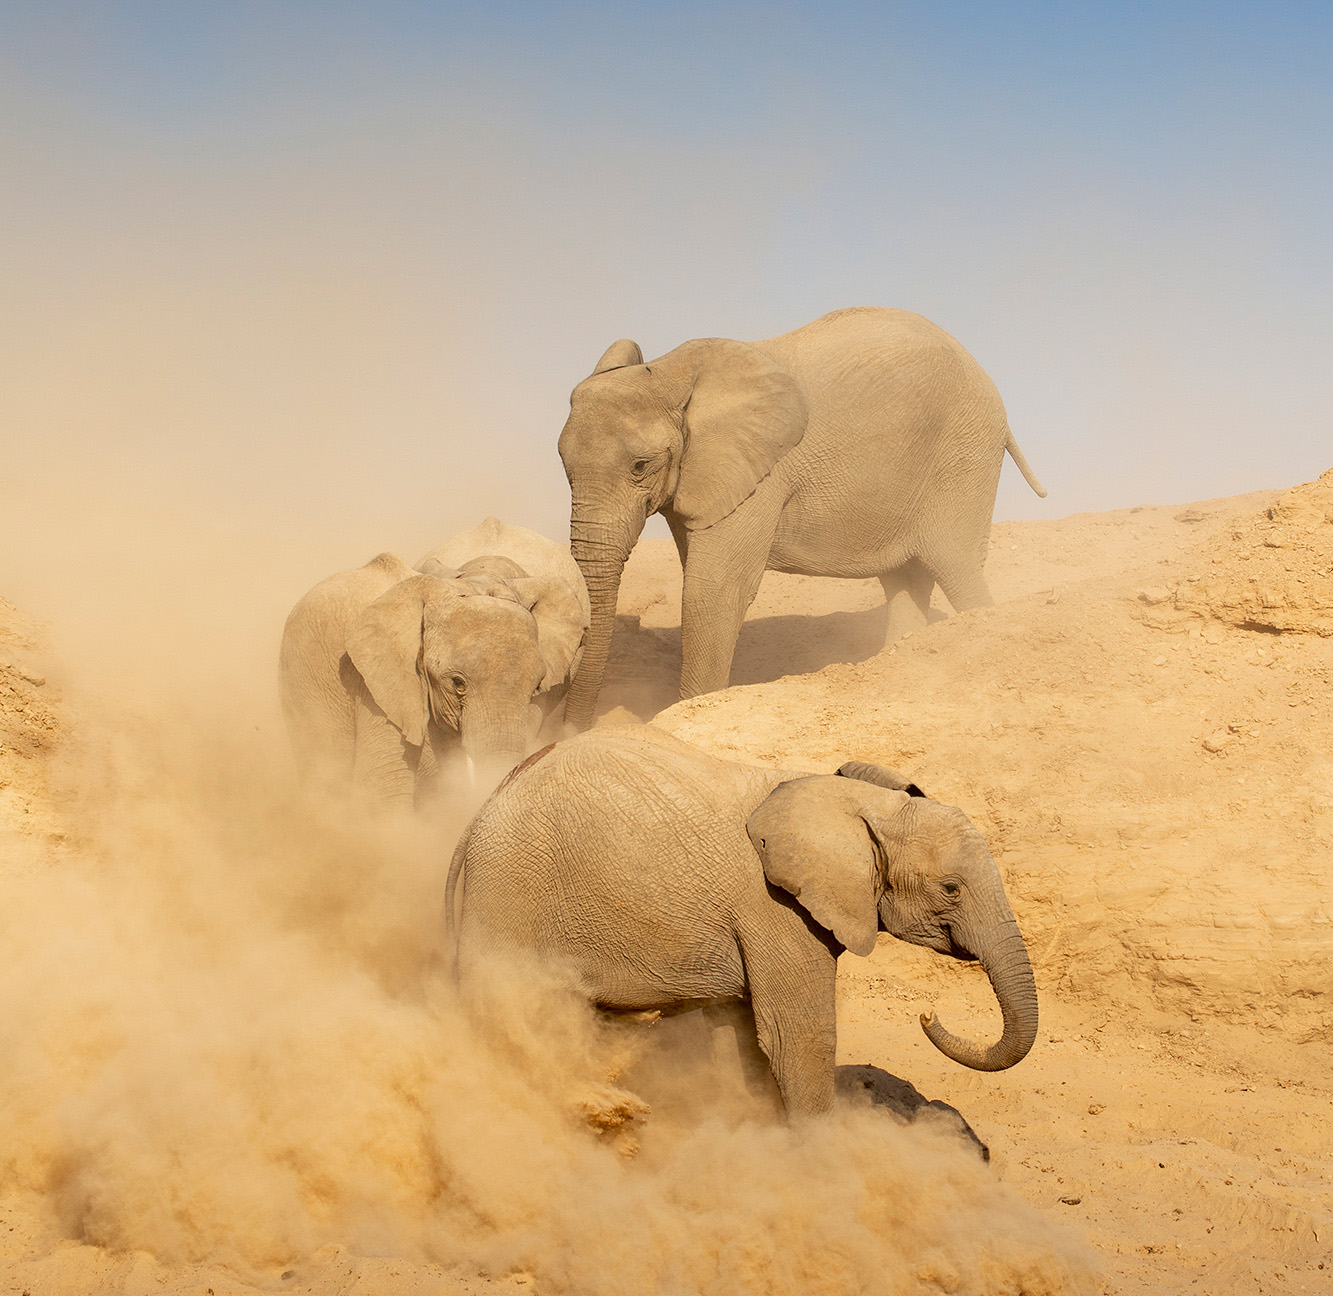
(229, 1044)
(287, 288)
(324, 268)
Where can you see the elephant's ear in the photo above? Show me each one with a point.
(744, 413)
(619, 355)
(560, 623)
(384, 644)
(815, 845)
(880, 776)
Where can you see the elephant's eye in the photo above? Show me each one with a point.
(952, 890)
(457, 683)
(639, 467)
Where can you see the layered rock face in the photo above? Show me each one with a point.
(1275, 570)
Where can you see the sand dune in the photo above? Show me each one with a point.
(239, 1082)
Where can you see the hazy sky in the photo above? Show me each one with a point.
(341, 264)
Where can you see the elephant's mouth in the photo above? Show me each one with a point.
(954, 949)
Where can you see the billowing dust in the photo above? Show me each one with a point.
(231, 1042)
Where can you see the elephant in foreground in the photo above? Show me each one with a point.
(868, 443)
(664, 878)
(386, 669)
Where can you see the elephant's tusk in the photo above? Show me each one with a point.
(471, 772)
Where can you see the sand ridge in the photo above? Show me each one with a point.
(29, 723)
(1154, 776)
(1155, 781)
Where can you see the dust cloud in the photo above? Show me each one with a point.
(231, 1040)
(229, 1036)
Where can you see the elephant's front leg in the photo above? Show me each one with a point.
(384, 767)
(724, 564)
(792, 992)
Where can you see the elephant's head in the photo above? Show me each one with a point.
(690, 434)
(861, 858)
(561, 621)
(439, 649)
(490, 571)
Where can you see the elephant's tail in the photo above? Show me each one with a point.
(451, 895)
(1017, 456)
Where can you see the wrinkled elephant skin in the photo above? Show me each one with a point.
(667, 878)
(867, 443)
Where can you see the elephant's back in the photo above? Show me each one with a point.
(893, 400)
(311, 684)
(906, 434)
(620, 788)
(313, 635)
(843, 342)
(537, 554)
(616, 843)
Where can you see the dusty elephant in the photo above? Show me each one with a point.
(385, 669)
(664, 878)
(867, 443)
(562, 608)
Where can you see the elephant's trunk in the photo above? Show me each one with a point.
(493, 741)
(600, 552)
(1005, 959)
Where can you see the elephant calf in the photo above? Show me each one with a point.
(669, 879)
(384, 668)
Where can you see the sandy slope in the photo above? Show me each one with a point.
(1152, 761)
(28, 724)
(1157, 784)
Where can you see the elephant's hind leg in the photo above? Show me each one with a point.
(966, 589)
(734, 1038)
(907, 591)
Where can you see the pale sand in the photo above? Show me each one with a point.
(1151, 760)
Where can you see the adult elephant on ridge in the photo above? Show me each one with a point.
(868, 443)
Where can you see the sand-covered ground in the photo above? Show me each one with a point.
(1143, 729)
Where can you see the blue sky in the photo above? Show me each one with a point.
(349, 259)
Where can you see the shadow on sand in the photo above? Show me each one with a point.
(866, 1083)
(643, 672)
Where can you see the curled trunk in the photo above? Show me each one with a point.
(1005, 960)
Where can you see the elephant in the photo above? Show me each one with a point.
(867, 443)
(663, 878)
(386, 669)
